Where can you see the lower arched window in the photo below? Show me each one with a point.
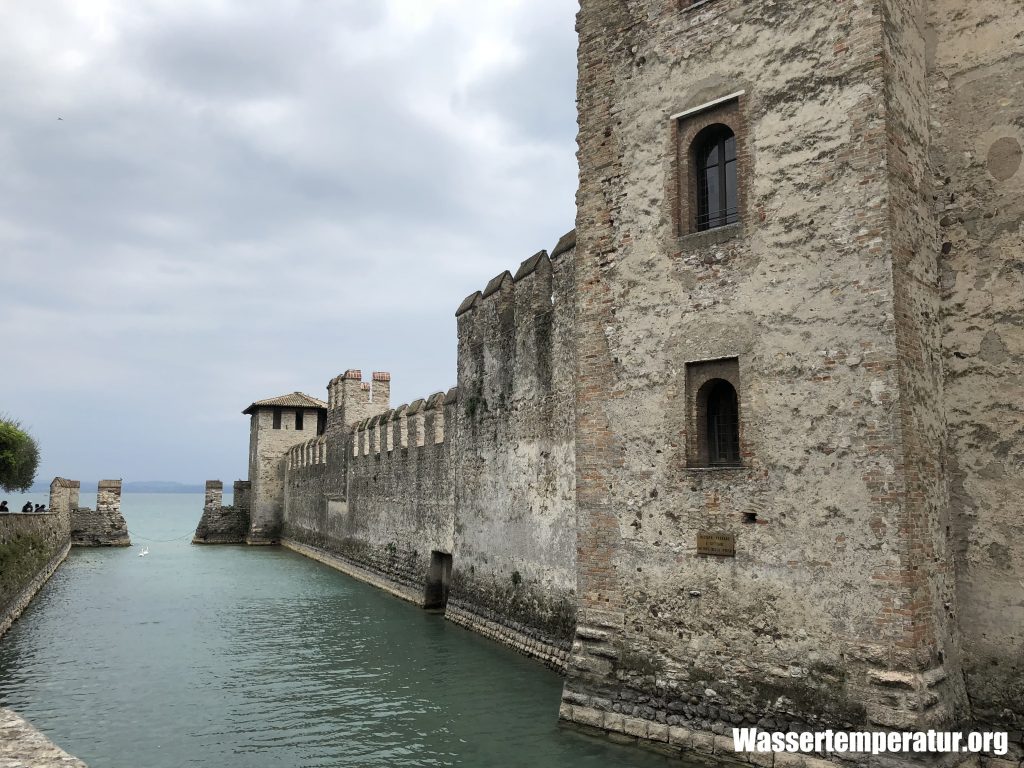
(722, 426)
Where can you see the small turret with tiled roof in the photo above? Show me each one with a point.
(277, 424)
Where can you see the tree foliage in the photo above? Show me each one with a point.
(19, 456)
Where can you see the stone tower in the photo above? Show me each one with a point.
(276, 424)
(770, 321)
(350, 400)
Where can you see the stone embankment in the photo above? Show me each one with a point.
(23, 746)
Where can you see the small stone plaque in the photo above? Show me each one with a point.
(716, 544)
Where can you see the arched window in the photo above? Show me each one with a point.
(723, 424)
(715, 170)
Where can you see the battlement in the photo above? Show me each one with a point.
(514, 335)
(541, 262)
(64, 494)
(307, 454)
(412, 425)
(104, 526)
(350, 399)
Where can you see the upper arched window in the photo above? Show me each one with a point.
(722, 428)
(715, 171)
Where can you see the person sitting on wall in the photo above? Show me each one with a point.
(27, 507)
(3, 506)
(40, 508)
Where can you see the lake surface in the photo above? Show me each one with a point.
(236, 657)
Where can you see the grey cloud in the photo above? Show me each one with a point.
(246, 202)
(531, 96)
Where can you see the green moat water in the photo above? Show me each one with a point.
(235, 657)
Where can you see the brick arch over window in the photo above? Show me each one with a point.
(692, 133)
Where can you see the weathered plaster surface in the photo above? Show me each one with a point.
(514, 558)
(841, 606)
(976, 79)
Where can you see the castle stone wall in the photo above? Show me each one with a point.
(400, 505)
(514, 556)
(309, 479)
(814, 298)
(922, 606)
(398, 508)
(976, 78)
(31, 547)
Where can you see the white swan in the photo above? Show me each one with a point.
(144, 552)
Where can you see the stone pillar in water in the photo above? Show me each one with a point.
(104, 526)
(220, 524)
(214, 496)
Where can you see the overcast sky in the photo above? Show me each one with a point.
(208, 202)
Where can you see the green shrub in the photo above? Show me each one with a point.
(19, 457)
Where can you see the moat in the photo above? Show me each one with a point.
(249, 657)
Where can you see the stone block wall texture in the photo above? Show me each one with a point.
(220, 524)
(31, 547)
(104, 526)
(306, 496)
(839, 607)
(514, 559)
(975, 57)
